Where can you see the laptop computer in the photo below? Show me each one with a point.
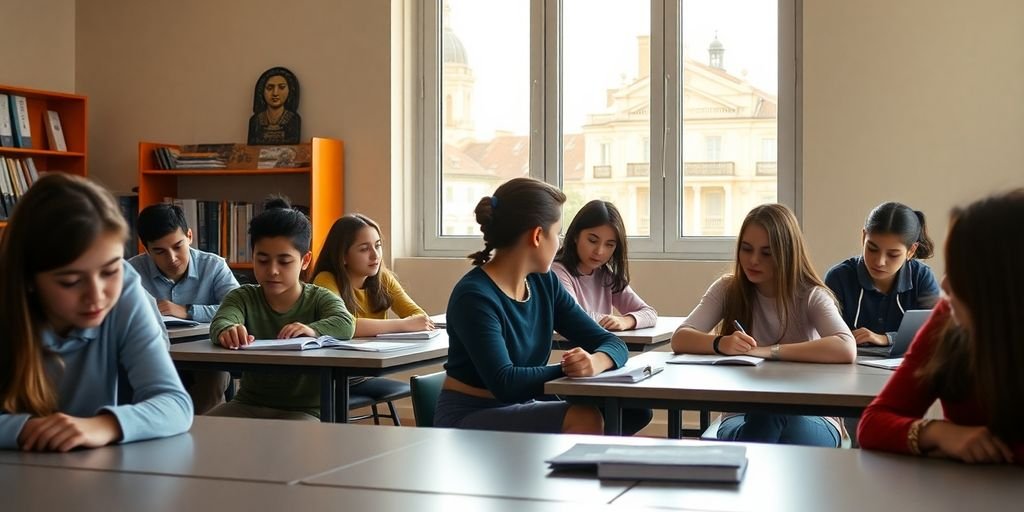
(912, 321)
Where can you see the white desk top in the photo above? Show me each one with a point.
(660, 333)
(844, 385)
(189, 332)
(206, 351)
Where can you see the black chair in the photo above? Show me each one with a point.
(425, 390)
(374, 391)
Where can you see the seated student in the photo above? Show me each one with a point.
(73, 313)
(968, 355)
(593, 267)
(785, 313)
(500, 318)
(280, 306)
(186, 283)
(350, 266)
(888, 278)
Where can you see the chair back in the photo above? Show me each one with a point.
(425, 390)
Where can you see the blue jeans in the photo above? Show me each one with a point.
(779, 429)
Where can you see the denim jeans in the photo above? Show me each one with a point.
(779, 429)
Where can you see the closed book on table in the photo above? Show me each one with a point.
(715, 360)
(706, 463)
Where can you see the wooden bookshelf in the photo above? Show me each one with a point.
(323, 182)
(73, 111)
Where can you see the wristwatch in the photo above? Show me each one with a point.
(774, 352)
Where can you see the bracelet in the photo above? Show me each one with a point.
(914, 435)
(714, 345)
(775, 352)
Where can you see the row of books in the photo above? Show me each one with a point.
(220, 227)
(16, 127)
(173, 158)
(16, 176)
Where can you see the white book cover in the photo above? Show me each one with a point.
(55, 132)
(718, 463)
(630, 372)
(715, 360)
(415, 335)
(885, 364)
(6, 130)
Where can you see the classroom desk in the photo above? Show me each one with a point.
(778, 387)
(275, 451)
(334, 366)
(38, 488)
(641, 340)
(193, 333)
(796, 478)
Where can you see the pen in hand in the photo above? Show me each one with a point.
(739, 327)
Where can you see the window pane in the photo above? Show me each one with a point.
(485, 103)
(730, 104)
(606, 107)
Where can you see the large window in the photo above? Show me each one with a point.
(681, 112)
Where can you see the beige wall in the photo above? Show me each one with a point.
(184, 72)
(37, 44)
(916, 101)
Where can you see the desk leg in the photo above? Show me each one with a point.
(675, 424)
(327, 396)
(705, 420)
(612, 417)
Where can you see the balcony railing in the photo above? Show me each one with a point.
(767, 169)
(709, 168)
(602, 171)
(638, 170)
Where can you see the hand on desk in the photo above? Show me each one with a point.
(617, 323)
(235, 336)
(417, 323)
(738, 343)
(169, 308)
(60, 432)
(864, 336)
(295, 330)
(973, 445)
(577, 362)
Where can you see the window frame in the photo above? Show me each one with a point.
(545, 158)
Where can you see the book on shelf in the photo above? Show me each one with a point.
(54, 131)
(415, 335)
(719, 463)
(632, 371)
(233, 156)
(885, 364)
(709, 359)
(310, 343)
(6, 129)
(19, 121)
(173, 321)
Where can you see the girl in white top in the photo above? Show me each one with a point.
(593, 267)
(787, 314)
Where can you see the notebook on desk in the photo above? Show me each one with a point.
(173, 321)
(720, 463)
(715, 360)
(310, 343)
(415, 335)
(912, 321)
(630, 372)
(885, 364)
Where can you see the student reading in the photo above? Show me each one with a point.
(73, 313)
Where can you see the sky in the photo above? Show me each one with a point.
(600, 48)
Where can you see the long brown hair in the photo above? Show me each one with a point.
(594, 214)
(54, 223)
(332, 259)
(983, 361)
(519, 205)
(794, 276)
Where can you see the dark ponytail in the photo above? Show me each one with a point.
(279, 218)
(899, 219)
(519, 205)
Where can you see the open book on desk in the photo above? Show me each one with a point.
(415, 335)
(310, 343)
(630, 372)
(173, 321)
(715, 360)
(719, 463)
